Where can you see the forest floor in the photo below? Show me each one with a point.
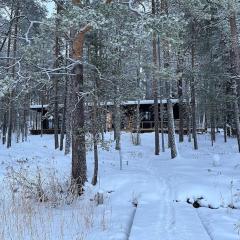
(149, 199)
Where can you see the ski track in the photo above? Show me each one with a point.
(162, 199)
(204, 226)
(167, 218)
(166, 221)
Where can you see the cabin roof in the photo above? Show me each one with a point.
(145, 102)
(125, 103)
(38, 106)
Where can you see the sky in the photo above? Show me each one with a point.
(50, 8)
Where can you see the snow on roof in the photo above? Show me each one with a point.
(37, 106)
(133, 102)
(142, 102)
(147, 102)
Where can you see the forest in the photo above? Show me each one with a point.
(119, 120)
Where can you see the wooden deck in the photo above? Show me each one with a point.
(148, 126)
(165, 130)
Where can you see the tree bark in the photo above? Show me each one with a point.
(155, 87)
(161, 97)
(79, 166)
(180, 97)
(69, 109)
(193, 95)
(63, 125)
(56, 81)
(4, 127)
(171, 128)
(11, 95)
(235, 83)
(117, 125)
(95, 146)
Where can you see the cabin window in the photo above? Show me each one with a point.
(50, 122)
(147, 116)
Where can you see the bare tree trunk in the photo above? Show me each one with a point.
(9, 124)
(42, 118)
(17, 125)
(212, 122)
(162, 123)
(180, 97)
(155, 87)
(69, 109)
(193, 97)
(189, 122)
(138, 122)
(79, 166)
(56, 114)
(9, 132)
(63, 126)
(4, 127)
(25, 117)
(225, 129)
(56, 81)
(171, 128)
(117, 125)
(236, 113)
(95, 146)
(161, 96)
(138, 117)
(235, 50)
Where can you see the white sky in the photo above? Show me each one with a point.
(50, 7)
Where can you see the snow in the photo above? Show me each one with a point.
(125, 103)
(148, 200)
(38, 106)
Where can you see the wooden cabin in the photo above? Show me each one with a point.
(41, 118)
(146, 112)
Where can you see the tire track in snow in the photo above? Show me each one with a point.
(204, 226)
(166, 203)
(156, 205)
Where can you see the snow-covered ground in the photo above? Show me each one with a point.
(161, 188)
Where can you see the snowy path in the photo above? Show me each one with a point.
(160, 186)
(158, 216)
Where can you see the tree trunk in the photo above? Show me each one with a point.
(138, 117)
(180, 97)
(4, 127)
(18, 129)
(9, 132)
(63, 126)
(117, 125)
(161, 97)
(69, 109)
(155, 87)
(171, 129)
(11, 95)
(79, 167)
(42, 118)
(55, 82)
(235, 50)
(193, 97)
(212, 122)
(25, 117)
(95, 146)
